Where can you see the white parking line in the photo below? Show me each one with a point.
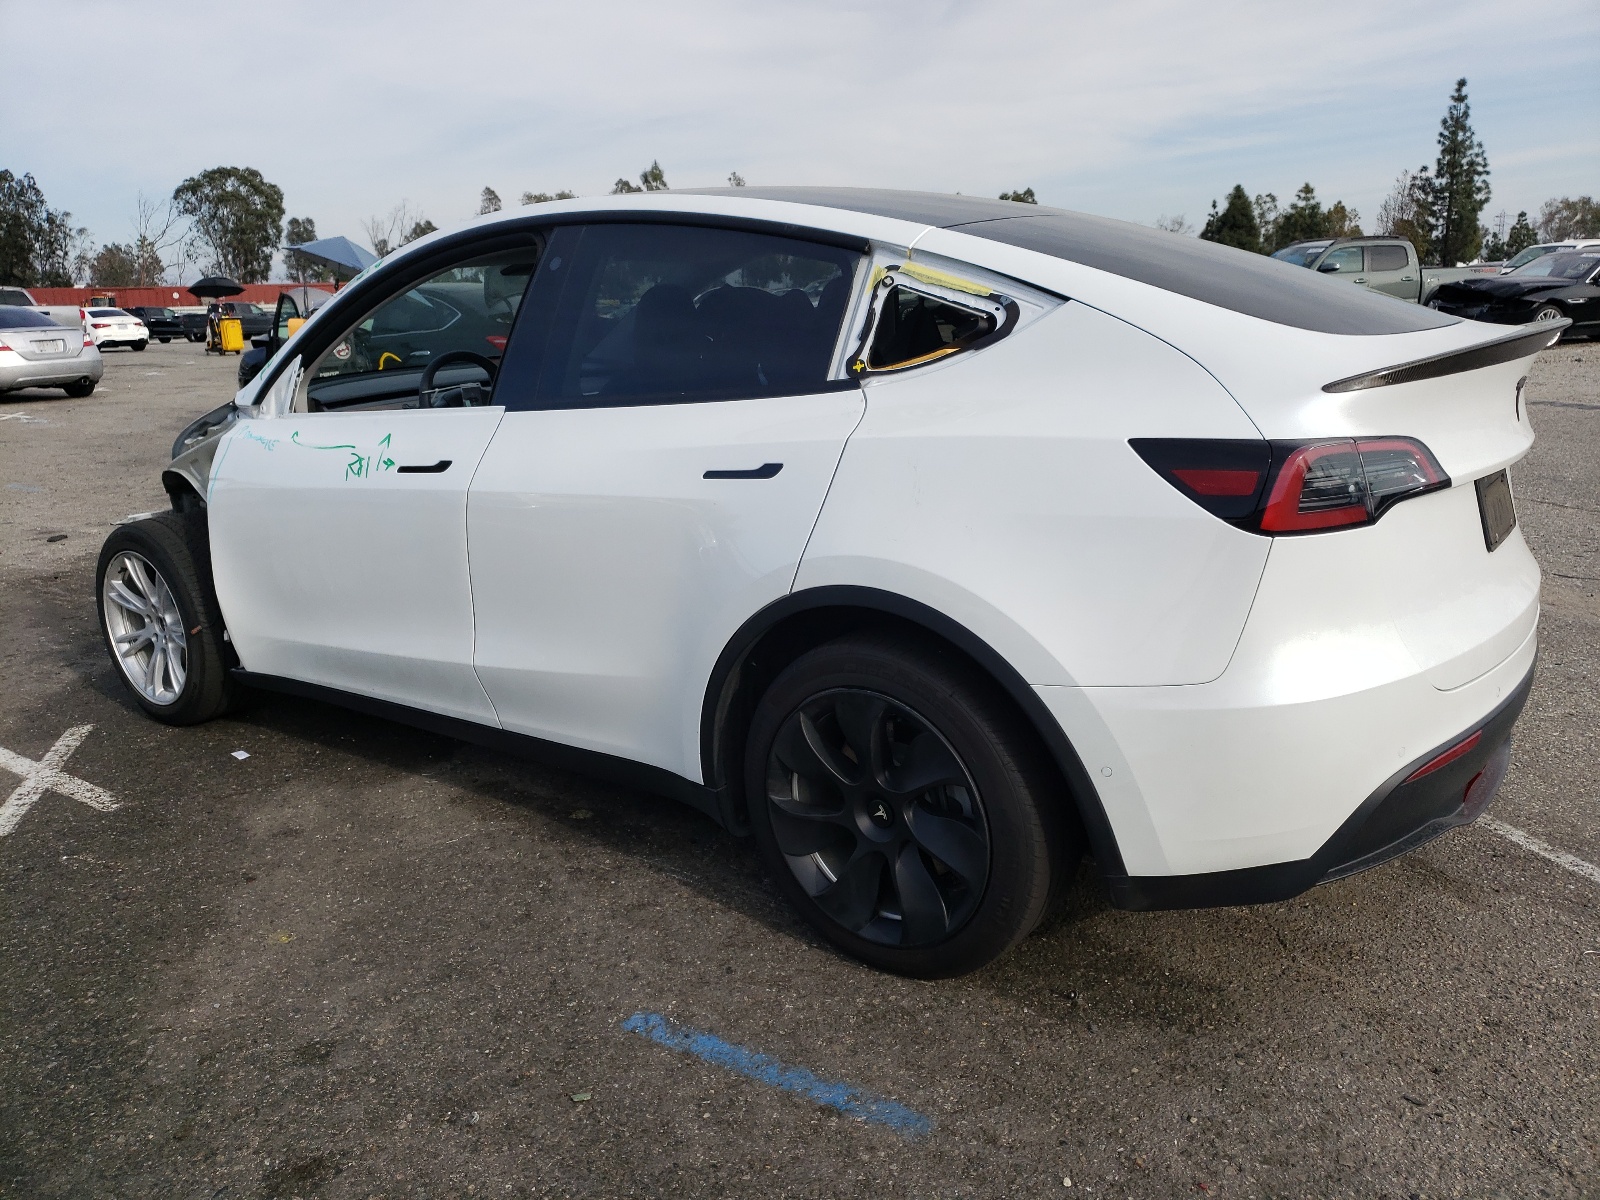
(46, 775)
(1543, 849)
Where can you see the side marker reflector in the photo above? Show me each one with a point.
(1445, 759)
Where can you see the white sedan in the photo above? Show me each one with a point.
(113, 327)
(935, 541)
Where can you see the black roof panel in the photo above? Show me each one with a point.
(1247, 283)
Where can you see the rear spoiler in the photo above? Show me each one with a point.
(1489, 354)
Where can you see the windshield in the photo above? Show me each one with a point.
(1531, 253)
(1561, 266)
(1301, 253)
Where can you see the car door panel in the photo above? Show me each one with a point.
(336, 565)
(608, 572)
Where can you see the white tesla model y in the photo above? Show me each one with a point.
(935, 541)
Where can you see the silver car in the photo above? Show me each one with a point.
(37, 352)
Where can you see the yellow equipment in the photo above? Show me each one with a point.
(227, 336)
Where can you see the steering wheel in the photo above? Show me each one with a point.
(449, 357)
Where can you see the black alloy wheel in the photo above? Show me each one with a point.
(903, 806)
(877, 818)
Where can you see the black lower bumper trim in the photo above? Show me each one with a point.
(1398, 817)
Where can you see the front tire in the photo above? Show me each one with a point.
(903, 807)
(164, 341)
(1548, 312)
(160, 619)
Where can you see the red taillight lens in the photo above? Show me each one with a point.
(497, 340)
(88, 338)
(102, 325)
(1295, 487)
(1445, 759)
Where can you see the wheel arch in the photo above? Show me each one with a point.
(787, 628)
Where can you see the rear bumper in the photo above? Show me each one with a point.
(1402, 814)
(21, 373)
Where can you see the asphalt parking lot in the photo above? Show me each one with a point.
(365, 961)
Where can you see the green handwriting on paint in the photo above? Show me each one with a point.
(359, 465)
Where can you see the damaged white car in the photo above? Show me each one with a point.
(935, 541)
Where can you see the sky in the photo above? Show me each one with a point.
(1136, 109)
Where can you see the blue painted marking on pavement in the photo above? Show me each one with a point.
(762, 1068)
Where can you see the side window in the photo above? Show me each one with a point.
(920, 316)
(1346, 260)
(384, 360)
(670, 314)
(1388, 258)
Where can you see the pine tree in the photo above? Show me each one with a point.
(1522, 236)
(1460, 183)
(1236, 224)
(489, 202)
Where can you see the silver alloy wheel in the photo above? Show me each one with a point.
(1548, 313)
(145, 628)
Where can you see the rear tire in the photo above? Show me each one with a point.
(903, 808)
(137, 345)
(79, 390)
(160, 619)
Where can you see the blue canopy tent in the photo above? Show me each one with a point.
(337, 252)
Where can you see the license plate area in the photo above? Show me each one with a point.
(55, 346)
(1496, 509)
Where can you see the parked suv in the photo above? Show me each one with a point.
(931, 570)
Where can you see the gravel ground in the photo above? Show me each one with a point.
(366, 961)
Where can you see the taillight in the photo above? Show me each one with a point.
(102, 324)
(88, 338)
(1295, 487)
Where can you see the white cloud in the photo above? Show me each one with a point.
(1128, 109)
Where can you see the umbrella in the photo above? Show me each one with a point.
(214, 287)
(339, 251)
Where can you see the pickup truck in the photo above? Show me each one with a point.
(1384, 264)
(69, 315)
(253, 319)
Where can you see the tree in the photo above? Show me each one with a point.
(237, 216)
(302, 268)
(1494, 240)
(1305, 220)
(1408, 211)
(735, 179)
(1177, 224)
(1025, 196)
(1569, 217)
(1236, 224)
(402, 224)
(1522, 236)
(158, 235)
(119, 266)
(488, 202)
(651, 180)
(546, 197)
(39, 245)
(1460, 183)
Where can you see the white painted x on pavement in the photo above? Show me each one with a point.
(46, 775)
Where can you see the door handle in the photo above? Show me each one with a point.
(1407, 278)
(426, 469)
(764, 471)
